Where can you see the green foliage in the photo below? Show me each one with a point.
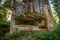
(2, 13)
(3, 20)
(16, 35)
(55, 4)
(56, 7)
(8, 4)
(24, 35)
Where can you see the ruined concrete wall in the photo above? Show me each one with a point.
(43, 9)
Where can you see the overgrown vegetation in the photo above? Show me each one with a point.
(4, 25)
(24, 35)
(3, 11)
(56, 7)
(3, 20)
(7, 4)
